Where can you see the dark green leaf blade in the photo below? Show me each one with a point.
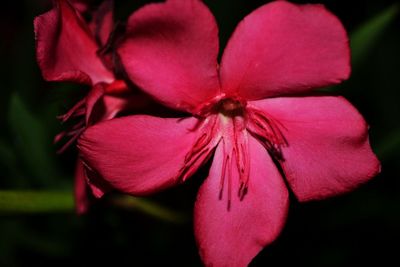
(367, 35)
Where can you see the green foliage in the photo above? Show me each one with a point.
(148, 207)
(23, 202)
(7, 154)
(31, 141)
(367, 35)
(389, 145)
(365, 38)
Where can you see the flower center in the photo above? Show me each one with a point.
(229, 123)
(230, 107)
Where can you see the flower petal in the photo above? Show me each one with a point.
(171, 55)
(138, 154)
(97, 185)
(328, 151)
(65, 49)
(101, 106)
(284, 48)
(234, 236)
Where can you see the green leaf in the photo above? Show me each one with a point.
(389, 145)
(9, 165)
(31, 140)
(367, 35)
(363, 39)
(7, 155)
(25, 202)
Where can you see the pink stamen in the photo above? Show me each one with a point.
(229, 184)
(70, 141)
(231, 121)
(77, 110)
(201, 150)
(268, 131)
(223, 170)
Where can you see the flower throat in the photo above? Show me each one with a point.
(228, 122)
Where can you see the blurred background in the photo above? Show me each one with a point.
(359, 229)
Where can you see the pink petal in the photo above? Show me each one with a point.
(171, 50)
(101, 104)
(80, 189)
(328, 151)
(81, 6)
(100, 20)
(138, 154)
(283, 48)
(113, 105)
(234, 237)
(65, 49)
(96, 183)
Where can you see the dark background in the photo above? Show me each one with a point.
(359, 229)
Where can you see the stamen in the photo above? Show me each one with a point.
(223, 171)
(241, 152)
(229, 184)
(230, 121)
(74, 135)
(235, 152)
(77, 110)
(187, 171)
(201, 149)
(267, 130)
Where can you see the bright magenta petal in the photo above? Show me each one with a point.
(283, 48)
(138, 154)
(328, 151)
(234, 237)
(171, 50)
(65, 49)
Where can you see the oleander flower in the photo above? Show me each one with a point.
(69, 48)
(254, 114)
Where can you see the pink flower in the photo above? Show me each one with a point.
(254, 113)
(68, 49)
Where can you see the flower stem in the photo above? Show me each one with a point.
(39, 202)
(150, 208)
